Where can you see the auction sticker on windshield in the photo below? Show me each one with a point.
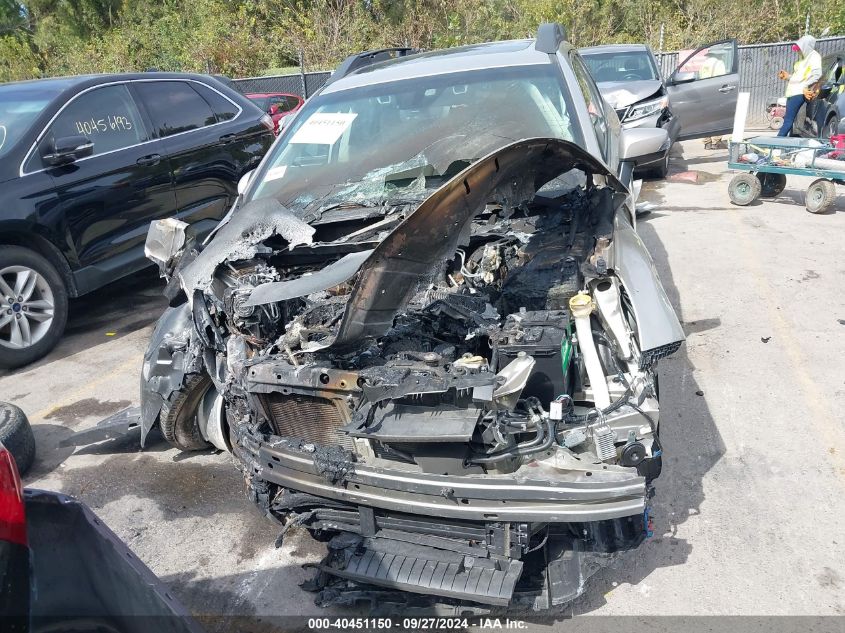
(276, 172)
(324, 128)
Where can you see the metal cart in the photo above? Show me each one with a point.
(780, 156)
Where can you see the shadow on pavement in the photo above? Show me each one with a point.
(692, 445)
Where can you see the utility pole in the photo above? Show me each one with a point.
(302, 74)
(660, 47)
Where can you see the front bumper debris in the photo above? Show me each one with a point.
(584, 496)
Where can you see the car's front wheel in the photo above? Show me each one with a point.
(33, 306)
(831, 127)
(662, 170)
(180, 422)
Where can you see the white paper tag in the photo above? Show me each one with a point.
(556, 410)
(324, 128)
(275, 173)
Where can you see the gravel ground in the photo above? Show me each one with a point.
(748, 513)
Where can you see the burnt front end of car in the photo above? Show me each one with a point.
(462, 405)
(457, 467)
(421, 482)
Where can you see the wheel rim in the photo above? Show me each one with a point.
(743, 189)
(816, 196)
(26, 307)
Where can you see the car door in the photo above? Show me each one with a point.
(822, 117)
(205, 147)
(287, 103)
(703, 89)
(837, 97)
(276, 107)
(108, 199)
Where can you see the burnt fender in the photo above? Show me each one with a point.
(166, 362)
(657, 322)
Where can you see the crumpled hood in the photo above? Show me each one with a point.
(807, 44)
(621, 94)
(410, 253)
(440, 224)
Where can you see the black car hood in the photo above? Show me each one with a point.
(621, 94)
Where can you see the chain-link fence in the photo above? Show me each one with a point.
(303, 85)
(758, 68)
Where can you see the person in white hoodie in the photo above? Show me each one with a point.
(805, 73)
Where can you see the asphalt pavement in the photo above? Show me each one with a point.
(750, 506)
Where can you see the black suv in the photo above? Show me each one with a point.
(86, 163)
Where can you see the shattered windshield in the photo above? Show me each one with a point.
(392, 143)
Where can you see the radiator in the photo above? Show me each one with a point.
(308, 418)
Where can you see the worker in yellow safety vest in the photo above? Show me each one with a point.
(799, 87)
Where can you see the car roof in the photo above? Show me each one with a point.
(614, 48)
(439, 62)
(833, 55)
(76, 82)
(54, 84)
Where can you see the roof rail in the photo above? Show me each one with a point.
(359, 60)
(550, 35)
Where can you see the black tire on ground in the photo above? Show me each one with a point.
(771, 185)
(821, 196)
(16, 436)
(744, 189)
(178, 420)
(19, 256)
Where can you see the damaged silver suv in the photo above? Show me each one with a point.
(428, 332)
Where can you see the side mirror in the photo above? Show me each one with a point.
(682, 78)
(642, 145)
(243, 183)
(165, 239)
(69, 149)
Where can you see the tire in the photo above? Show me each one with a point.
(776, 122)
(179, 423)
(771, 185)
(744, 189)
(831, 128)
(16, 436)
(663, 169)
(44, 326)
(821, 196)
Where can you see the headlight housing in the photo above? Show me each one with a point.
(646, 108)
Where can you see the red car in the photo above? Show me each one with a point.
(277, 104)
